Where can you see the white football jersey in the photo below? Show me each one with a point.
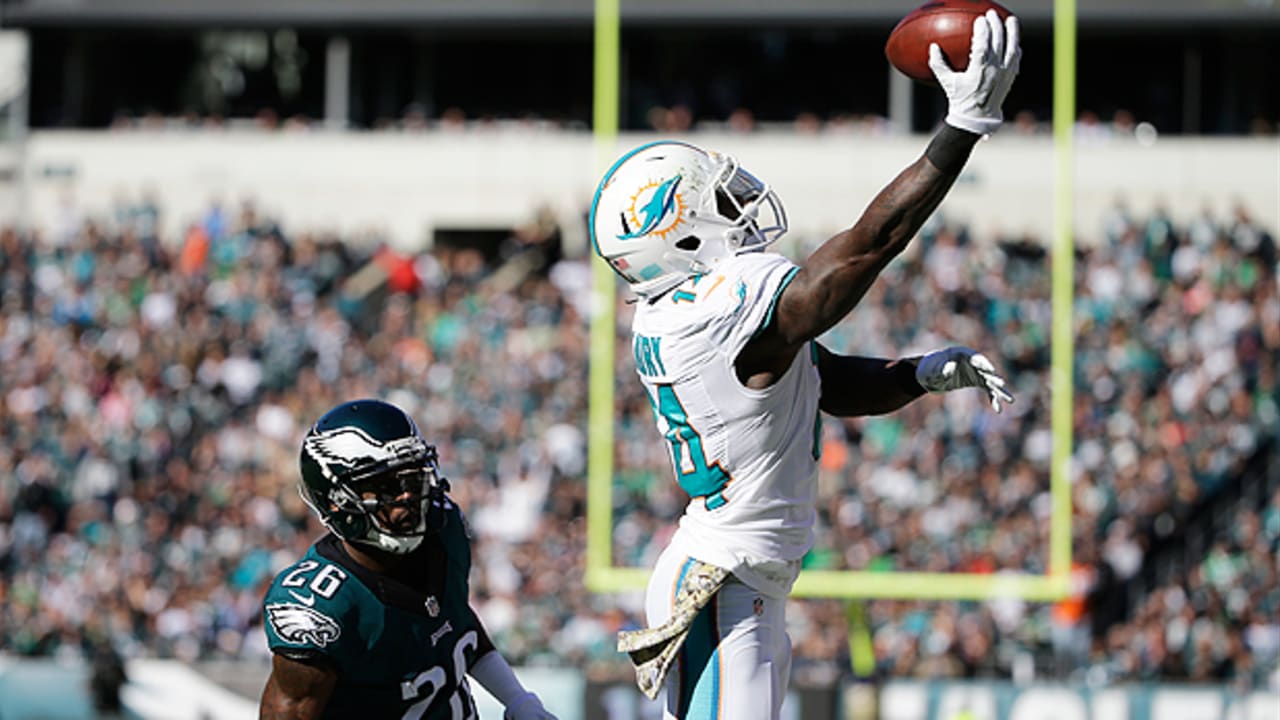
(748, 458)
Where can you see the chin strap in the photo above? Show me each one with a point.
(435, 503)
(392, 544)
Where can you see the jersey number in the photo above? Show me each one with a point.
(461, 706)
(692, 471)
(325, 583)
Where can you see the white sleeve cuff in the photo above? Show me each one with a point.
(975, 125)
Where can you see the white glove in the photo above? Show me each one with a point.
(959, 367)
(975, 95)
(527, 707)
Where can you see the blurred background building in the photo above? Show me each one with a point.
(217, 219)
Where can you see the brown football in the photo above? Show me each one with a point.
(946, 22)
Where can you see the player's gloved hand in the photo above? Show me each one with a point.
(960, 367)
(975, 95)
(527, 707)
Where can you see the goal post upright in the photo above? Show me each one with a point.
(600, 575)
(604, 577)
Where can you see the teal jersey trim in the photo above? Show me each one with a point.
(773, 303)
(693, 473)
(700, 664)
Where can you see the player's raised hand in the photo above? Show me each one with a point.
(960, 367)
(527, 707)
(975, 95)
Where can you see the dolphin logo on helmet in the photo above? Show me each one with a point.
(668, 211)
(661, 202)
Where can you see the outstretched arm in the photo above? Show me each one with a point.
(296, 690)
(855, 386)
(838, 274)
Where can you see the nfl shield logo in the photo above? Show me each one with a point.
(433, 606)
(758, 606)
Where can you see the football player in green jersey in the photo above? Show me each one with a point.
(375, 620)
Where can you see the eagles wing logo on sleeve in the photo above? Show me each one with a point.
(300, 624)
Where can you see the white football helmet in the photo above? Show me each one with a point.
(669, 210)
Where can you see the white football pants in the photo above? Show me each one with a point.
(737, 658)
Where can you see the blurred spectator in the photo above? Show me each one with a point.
(807, 123)
(671, 120)
(1089, 127)
(741, 120)
(266, 119)
(453, 119)
(414, 118)
(1122, 123)
(106, 677)
(1025, 123)
(1261, 125)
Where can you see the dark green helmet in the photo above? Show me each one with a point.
(370, 476)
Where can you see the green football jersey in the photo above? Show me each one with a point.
(401, 642)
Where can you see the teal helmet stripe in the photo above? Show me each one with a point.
(595, 201)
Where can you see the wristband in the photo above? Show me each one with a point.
(904, 374)
(950, 148)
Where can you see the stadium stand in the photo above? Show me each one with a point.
(155, 390)
(155, 375)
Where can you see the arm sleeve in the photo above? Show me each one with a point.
(495, 675)
(854, 386)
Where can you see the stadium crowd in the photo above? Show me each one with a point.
(155, 390)
(676, 118)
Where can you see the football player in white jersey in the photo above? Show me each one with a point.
(724, 342)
